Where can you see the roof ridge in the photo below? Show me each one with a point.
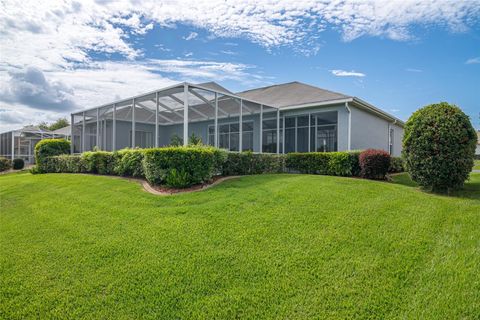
(298, 82)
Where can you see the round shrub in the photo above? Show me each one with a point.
(5, 164)
(47, 148)
(439, 146)
(18, 164)
(374, 164)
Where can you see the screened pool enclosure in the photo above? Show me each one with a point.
(207, 111)
(21, 143)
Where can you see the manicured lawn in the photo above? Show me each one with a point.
(272, 246)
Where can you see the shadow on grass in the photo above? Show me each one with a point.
(471, 190)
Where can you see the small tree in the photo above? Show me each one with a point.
(194, 140)
(58, 124)
(439, 146)
(176, 141)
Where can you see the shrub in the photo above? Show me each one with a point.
(128, 162)
(355, 162)
(374, 164)
(101, 162)
(439, 146)
(176, 141)
(70, 163)
(327, 163)
(339, 164)
(177, 179)
(5, 164)
(182, 166)
(396, 165)
(18, 164)
(47, 148)
(194, 140)
(312, 162)
(252, 163)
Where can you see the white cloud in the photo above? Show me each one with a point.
(475, 60)
(413, 70)
(97, 83)
(229, 52)
(188, 54)
(57, 38)
(343, 73)
(191, 36)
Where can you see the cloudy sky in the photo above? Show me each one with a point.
(61, 56)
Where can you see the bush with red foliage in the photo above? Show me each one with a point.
(374, 164)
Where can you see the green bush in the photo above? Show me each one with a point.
(396, 165)
(177, 179)
(101, 162)
(5, 164)
(252, 163)
(374, 164)
(438, 146)
(182, 166)
(18, 164)
(47, 148)
(65, 163)
(128, 162)
(326, 163)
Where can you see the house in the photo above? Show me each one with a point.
(21, 143)
(283, 118)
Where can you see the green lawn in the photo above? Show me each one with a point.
(477, 165)
(272, 246)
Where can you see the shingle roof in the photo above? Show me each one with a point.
(290, 94)
(214, 86)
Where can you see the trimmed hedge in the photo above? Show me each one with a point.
(244, 163)
(181, 167)
(396, 165)
(439, 146)
(5, 164)
(326, 163)
(128, 162)
(18, 164)
(374, 164)
(101, 162)
(48, 148)
(66, 163)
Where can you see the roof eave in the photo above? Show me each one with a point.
(377, 111)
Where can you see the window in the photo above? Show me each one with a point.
(229, 136)
(322, 128)
(143, 139)
(323, 132)
(269, 135)
(390, 140)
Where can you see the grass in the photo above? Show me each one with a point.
(270, 246)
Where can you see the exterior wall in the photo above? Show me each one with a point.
(371, 131)
(477, 151)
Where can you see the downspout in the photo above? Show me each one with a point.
(349, 146)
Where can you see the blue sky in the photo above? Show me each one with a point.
(396, 55)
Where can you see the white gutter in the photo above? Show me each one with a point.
(349, 143)
(317, 104)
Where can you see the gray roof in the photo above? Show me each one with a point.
(291, 94)
(64, 131)
(214, 86)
